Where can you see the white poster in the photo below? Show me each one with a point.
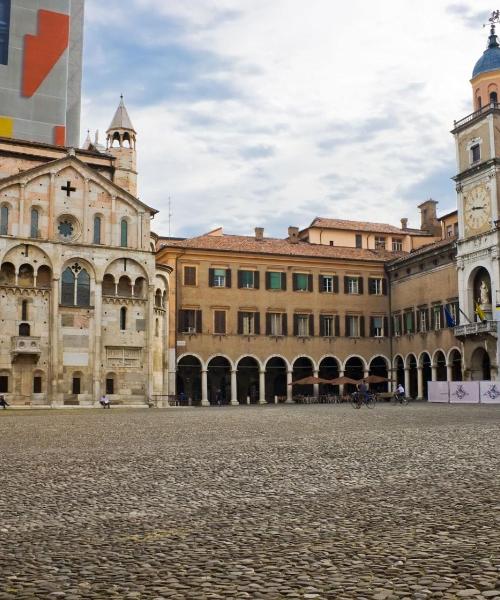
(438, 391)
(490, 392)
(464, 392)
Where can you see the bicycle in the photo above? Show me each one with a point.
(358, 400)
(399, 399)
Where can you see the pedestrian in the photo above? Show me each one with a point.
(104, 401)
(3, 402)
(181, 399)
(218, 397)
(362, 393)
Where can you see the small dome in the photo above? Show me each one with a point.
(490, 60)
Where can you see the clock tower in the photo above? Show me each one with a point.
(477, 139)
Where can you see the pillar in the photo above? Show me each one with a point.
(407, 380)
(54, 342)
(85, 233)
(204, 388)
(262, 386)
(434, 373)
(449, 372)
(52, 204)
(97, 375)
(149, 335)
(289, 388)
(420, 381)
(316, 385)
(341, 387)
(234, 387)
(22, 200)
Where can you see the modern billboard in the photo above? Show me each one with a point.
(41, 44)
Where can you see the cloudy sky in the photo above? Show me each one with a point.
(269, 113)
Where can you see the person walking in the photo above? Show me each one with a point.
(3, 402)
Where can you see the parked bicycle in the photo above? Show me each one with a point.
(358, 400)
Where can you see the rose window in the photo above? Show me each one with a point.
(66, 229)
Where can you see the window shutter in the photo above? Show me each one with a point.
(268, 324)
(256, 280)
(361, 327)
(198, 321)
(347, 330)
(240, 321)
(211, 274)
(294, 282)
(295, 325)
(268, 281)
(320, 284)
(228, 278)
(335, 284)
(180, 321)
(427, 318)
(418, 320)
(322, 325)
(310, 283)
(311, 323)
(443, 318)
(346, 285)
(240, 279)
(372, 327)
(284, 321)
(360, 285)
(371, 287)
(256, 323)
(223, 321)
(386, 327)
(432, 321)
(337, 326)
(384, 286)
(283, 281)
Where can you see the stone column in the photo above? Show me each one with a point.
(97, 375)
(113, 233)
(316, 385)
(22, 200)
(149, 339)
(262, 387)
(289, 390)
(52, 205)
(54, 342)
(420, 380)
(341, 387)
(234, 387)
(434, 373)
(449, 372)
(85, 233)
(204, 388)
(407, 381)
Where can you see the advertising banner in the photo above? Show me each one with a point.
(490, 392)
(438, 391)
(464, 392)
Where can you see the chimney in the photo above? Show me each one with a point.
(404, 224)
(293, 235)
(259, 233)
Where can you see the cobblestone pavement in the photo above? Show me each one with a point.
(275, 502)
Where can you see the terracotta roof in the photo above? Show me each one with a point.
(240, 243)
(363, 226)
(423, 250)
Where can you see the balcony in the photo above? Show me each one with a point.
(476, 114)
(470, 329)
(26, 346)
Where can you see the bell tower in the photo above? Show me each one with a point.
(477, 140)
(121, 143)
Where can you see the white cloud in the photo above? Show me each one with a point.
(353, 104)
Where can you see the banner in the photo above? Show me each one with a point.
(464, 392)
(490, 392)
(438, 391)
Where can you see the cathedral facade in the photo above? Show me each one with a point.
(83, 305)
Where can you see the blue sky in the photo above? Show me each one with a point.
(256, 113)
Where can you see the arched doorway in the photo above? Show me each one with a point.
(329, 369)
(413, 373)
(189, 379)
(303, 367)
(440, 364)
(455, 360)
(426, 364)
(378, 367)
(219, 380)
(276, 371)
(248, 380)
(399, 366)
(355, 369)
(480, 365)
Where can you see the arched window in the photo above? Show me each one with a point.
(4, 220)
(68, 288)
(24, 330)
(494, 97)
(34, 223)
(123, 318)
(75, 287)
(24, 310)
(97, 230)
(124, 233)
(83, 289)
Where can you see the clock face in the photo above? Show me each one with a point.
(476, 208)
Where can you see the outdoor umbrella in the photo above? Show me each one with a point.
(309, 381)
(375, 379)
(343, 381)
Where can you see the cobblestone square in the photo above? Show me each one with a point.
(276, 502)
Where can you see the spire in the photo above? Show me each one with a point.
(88, 142)
(493, 41)
(121, 120)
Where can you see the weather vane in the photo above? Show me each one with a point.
(494, 19)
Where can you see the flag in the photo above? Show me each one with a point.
(480, 312)
(450, 321)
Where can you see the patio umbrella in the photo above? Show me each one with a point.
(309, 381)
(342, 381)
(375, 379)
